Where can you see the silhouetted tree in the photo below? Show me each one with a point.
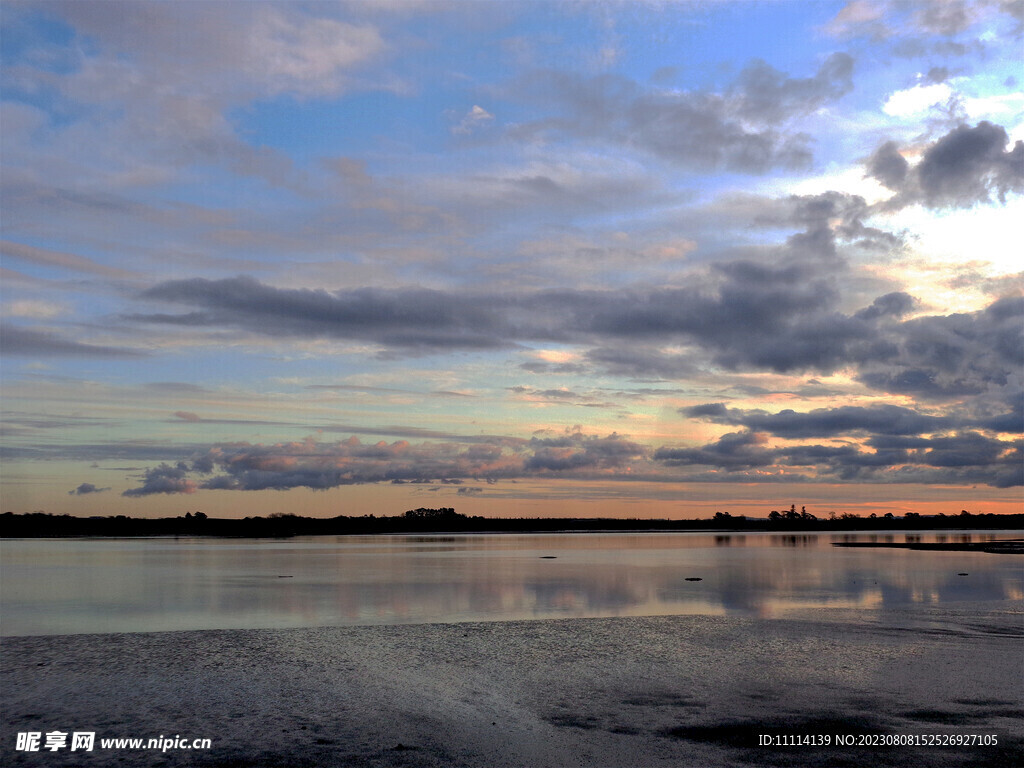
(422, 513)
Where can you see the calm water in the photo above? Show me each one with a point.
(136, 585)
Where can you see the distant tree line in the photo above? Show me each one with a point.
(444, 513)
(423, 520)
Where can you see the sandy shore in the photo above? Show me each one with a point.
(663, 691)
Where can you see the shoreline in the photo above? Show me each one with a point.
(581, 531)
(46, 525)
(650, 691)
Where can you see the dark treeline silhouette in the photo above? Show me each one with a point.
(446, 519)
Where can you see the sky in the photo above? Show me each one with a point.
(518, 258)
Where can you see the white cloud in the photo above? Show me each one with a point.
(309, 56)
(989, 233)
(475, 118)
(1001, 108)
(917, 100)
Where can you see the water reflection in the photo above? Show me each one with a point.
(796, 540)
(730, 540)
(49, 587)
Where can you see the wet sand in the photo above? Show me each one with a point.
(660, 691)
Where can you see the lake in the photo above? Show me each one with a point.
(71, 586)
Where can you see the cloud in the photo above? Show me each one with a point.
(888, 166)
(965, 167)
(85, 489)
(878, 443)
(937, 356)
(34, 309)
(959, 458)
(895, 304)
(917, 100)
(165, 78)
(905, 22)
(636, 360)
(195, 418)
(25, 342)
(825, 422)
(739, 315)
(320, 465)
(561, 397)
(225, 48)
(50, 258)
(741, 129)
(293, 53)
(576, 451)
(855, 16)
(164, 479)
(409, 319)
(767, 96)
(744, 314)
(475, 118)
(949, 17)
(736, 450)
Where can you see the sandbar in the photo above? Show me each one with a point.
(639, 691)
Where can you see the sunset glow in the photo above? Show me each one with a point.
(521, 259)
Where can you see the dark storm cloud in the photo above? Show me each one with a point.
(825, 422)
(736, 450)
(739, 315)
(888, 166)
(1011, 422)
(963, 449)
(747, 314)
(965, 167)
(895, 304)
(25, 342)
(742, 129)
(406, 319)
(948, 355)
(969, 164)
(963, 457)
(85, 489)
